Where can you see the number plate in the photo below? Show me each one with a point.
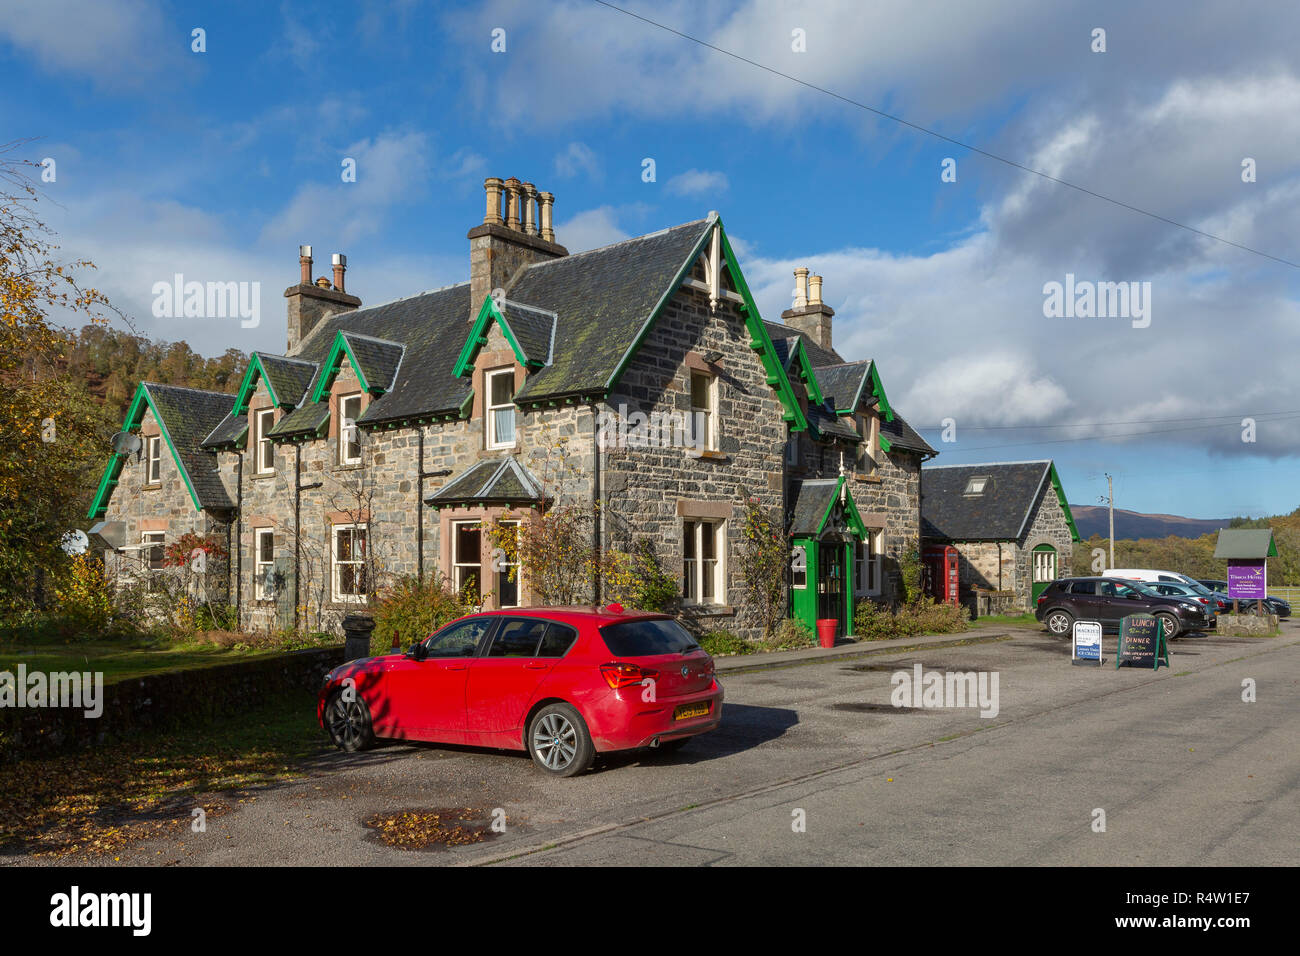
(687, 711)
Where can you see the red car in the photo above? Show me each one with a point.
(563, 683)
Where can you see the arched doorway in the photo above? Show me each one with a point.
(1043, 566)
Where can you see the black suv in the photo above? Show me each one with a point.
(1108, 600)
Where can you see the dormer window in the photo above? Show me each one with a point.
(349, 440)
(500, 411)
(153, 460)
(977, 486)
(264, 450)
(703, 433)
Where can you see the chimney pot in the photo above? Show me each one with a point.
(800, 287)
(340, 262)
(513, 199)
(304, 264)
(814, 290)
(544, 202)
(530, 197)
(323, 283)
(492, 186)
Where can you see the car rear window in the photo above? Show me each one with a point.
(647, 637)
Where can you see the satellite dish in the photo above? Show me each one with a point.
(126, 443)
(74, 542)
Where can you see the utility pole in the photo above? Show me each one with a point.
(1110, 505)
(1110, 499)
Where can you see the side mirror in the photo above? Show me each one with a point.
(418, 651)
(1133, 596)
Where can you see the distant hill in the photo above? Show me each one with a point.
(1131, 525)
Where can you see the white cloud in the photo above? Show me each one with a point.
(590, 229)
(696, 182)
(117, 43)
(577, 158)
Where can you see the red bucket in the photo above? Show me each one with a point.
(826, 628)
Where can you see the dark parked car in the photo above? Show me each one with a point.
(1272, 605)
(1109, 600)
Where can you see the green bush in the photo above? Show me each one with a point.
(722, 642)
(790, 635)
(411, 611)
(875, 622)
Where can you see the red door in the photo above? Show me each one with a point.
(503, 681)
(427, 697)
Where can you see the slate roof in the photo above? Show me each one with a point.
(902, 435)
(497, 480)
(1001, 513)
(816, 354)
(603, 299)
(828, 423)
(534, 330)
(810, 501)
(844, 383)
(305, 420)
(288, 378)
(188, 415)
(432, 326)
(379, 359)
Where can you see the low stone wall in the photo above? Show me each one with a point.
(168, 699)
(1247, 625)
(982, 603)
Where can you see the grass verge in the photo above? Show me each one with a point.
(97, 801)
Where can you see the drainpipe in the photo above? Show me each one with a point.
(298, 489)
(239, 541)
(598, 517)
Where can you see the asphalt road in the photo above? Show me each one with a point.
(1186, 772)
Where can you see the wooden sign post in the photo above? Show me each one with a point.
(1142, 642)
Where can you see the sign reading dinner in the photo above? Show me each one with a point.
(1141, 642)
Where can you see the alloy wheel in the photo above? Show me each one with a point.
(555, 741)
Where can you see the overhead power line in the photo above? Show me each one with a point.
(948, 139)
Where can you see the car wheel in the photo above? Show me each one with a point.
(1058, 622)
(559, 741)
(1171, 625)
(348, 723)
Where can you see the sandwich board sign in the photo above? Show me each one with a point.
(1086, 648)
(1142, 642)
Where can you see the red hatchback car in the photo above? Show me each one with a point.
(563, 683)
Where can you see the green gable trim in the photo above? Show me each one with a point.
(761, 342)
(806, 371)
(1065, 505)
(878, 390)
(332, 365)
(134, 416)
(487, 314)
(249, 385)
(850, 510)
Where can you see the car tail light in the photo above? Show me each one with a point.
(1042, 597)
(619, 675)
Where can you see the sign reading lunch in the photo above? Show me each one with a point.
(1087, 643)
(1141, 642)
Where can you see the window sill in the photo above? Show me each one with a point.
(348, 466)
(261, 474)
(154, 487)
(514, 449)
(709, 455)
(869, 479)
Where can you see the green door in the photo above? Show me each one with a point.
(1043, 565)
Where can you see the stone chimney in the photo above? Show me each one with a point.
(810, 315)
(509, 238)
(311, 302)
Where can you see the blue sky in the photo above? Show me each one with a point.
(218, 164)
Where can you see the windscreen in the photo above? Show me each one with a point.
(647, 637)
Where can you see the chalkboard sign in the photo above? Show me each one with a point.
(1142, 642)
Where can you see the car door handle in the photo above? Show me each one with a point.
(536, 666)
(457, 667)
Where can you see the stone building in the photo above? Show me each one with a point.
(1010, 525)
(637, 379)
